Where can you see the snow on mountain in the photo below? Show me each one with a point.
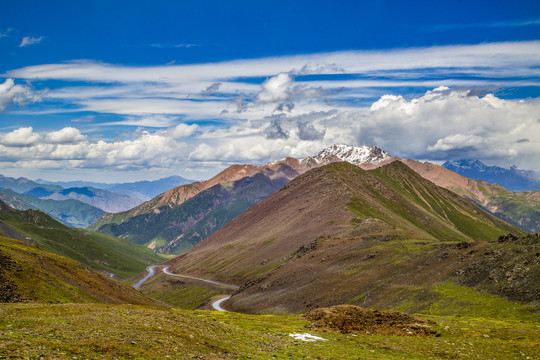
(513, 179)
(364, 155)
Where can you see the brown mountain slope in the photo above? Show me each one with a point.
(173, 230)
(337, 232)
(180, 194)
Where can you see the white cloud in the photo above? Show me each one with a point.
(276, 88)
(483, 60)
(237, 123)
(5, 33)
(457, 142)
(20, 137)
(67, 135)
(449, 124)
(10, 93)
(30, 40)
(183, 130)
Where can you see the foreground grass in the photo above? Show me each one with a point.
(94, 331)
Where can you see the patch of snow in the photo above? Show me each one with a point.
(306, 337)
(354, 155)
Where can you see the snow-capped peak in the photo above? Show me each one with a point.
(355, 155)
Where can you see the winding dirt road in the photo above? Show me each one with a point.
(165, 268)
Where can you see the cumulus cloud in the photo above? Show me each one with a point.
(72, 149)
(457, 142)
(67, 135)
(282, 88)
(11, 93)
(30, 40)
(444, 124)
(20, 137)
(183, 130)
(276, 88)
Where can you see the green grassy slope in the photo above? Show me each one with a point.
(521, 209)
(134, 332)
(29, 274)
(69, 212)
(98, 251)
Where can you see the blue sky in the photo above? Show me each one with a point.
(129, 90)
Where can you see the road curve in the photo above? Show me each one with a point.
(165, 269)
(150, 274)
(217, 304)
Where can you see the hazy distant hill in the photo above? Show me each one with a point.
(105, 200)
(512, 179)
(22, 185)
(69, 212)
(338, 234)
(142, 189)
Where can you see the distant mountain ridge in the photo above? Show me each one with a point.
(22, 185)
(512, 179)
(102, 199)
(132, 224)
(145, 190)
(174, 221)
(69, 212)
(366, 157)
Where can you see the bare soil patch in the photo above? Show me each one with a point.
(356, 319)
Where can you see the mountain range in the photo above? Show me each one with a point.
(521, 209)
(338, 234)
(144, 190)
(334, 233)
(512, 179)
(181, 217)
(80, 203)
(102, 199)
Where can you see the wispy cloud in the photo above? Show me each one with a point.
(5, 33)
(259, 87)
(496, 24)
(521, 58)
(171, 45)
(30, 40)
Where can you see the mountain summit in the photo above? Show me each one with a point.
(367, 157)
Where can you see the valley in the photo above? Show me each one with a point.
(261, 248)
